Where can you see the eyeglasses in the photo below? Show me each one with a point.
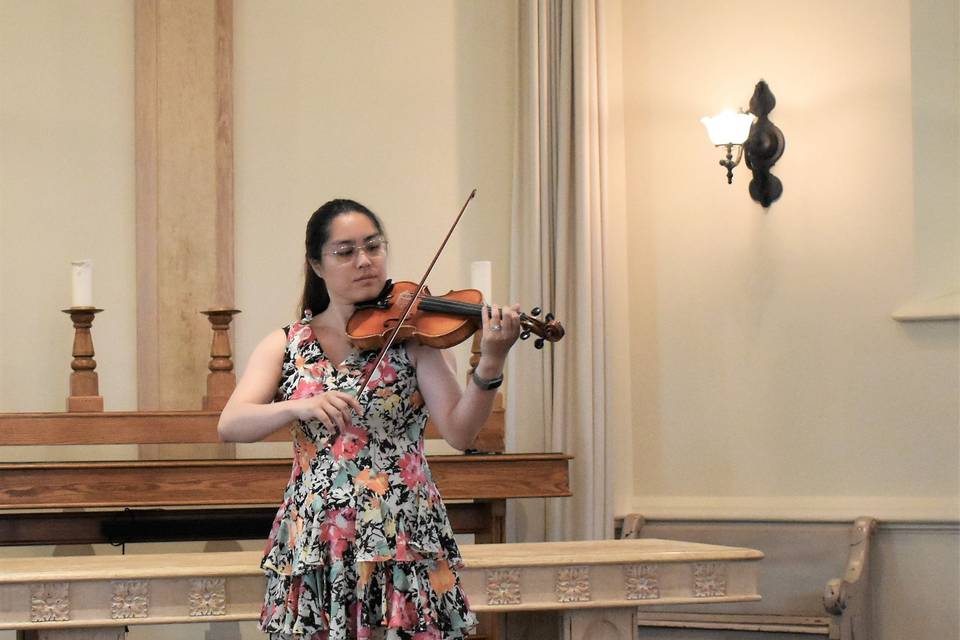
(374, 248)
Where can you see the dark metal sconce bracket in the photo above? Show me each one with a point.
(763, 147)
(729, 163)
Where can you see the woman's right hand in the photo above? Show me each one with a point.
(332, 408)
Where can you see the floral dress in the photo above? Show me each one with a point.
(361, 546)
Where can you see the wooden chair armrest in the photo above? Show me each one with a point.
(837, 590)
(629, 526)
(847, 599)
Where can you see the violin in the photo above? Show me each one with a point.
(384, 321)
(436, 321)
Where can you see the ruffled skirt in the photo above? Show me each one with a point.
(336, 574)
(360, 600)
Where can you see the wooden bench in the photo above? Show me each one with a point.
(801, 596)
(586, 587)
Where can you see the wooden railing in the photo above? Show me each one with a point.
(126, 494)
(585, 586)
(485, 479)
(167, 427)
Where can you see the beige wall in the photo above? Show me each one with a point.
(771, 381)
(403, 110)
(772, 378)
(66, 193)
(935, 81)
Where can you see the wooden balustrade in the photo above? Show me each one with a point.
(482, 481)
(574, 585)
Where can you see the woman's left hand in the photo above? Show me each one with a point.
(500, 328)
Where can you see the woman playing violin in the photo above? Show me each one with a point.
(361, 546)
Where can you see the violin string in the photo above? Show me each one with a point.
(456, 307)
(406, 312)
(440, 305)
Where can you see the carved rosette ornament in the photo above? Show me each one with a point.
(49, 602)
(641, 582)
(208, 597)
(709, 580)
(131, 599)
(503, 586)
(573, 584)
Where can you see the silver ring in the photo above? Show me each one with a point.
(495, 327)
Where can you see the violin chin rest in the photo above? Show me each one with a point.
(381, 301)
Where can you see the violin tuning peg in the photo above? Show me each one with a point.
(524, 335)
(535, 311)
(538, 343)
(548, 317)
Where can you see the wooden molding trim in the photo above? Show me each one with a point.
(925, 309)
(163, 427)
(224, 155)
(886, 509)
(146, 142)
(36, 485)
(184, 179)
(167, 583)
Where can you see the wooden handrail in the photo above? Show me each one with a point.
(580, 581)
(145, 483)
(164, 427)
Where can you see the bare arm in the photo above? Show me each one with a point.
(251, 414)
(460, 414)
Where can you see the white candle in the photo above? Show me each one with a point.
(480, 278)
(82, 283)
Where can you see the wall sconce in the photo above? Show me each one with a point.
(756, 138)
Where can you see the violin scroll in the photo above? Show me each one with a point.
(549, 329)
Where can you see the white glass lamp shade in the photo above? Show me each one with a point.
(728, 127)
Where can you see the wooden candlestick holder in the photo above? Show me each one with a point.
(221, 379)
(474, 353)
(84, 382)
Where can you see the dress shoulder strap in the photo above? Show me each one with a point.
(298, 332)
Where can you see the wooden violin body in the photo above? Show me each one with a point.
(427, 322)
(436, 321)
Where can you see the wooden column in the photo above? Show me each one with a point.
(184, 170)
(184, 167)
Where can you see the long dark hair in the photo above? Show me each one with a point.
(315, 296)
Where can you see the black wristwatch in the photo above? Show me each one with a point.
(487, 385)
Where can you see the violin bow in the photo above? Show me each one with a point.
(406, 312)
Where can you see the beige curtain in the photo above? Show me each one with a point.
(562, 224)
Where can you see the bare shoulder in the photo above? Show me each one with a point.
(261, 376)
(276, 340)
(271, 348)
